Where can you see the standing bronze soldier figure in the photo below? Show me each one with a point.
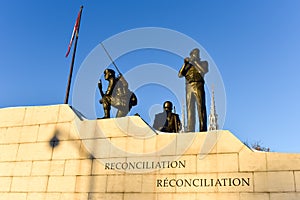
(167, 121)
(194, 70)
(117, 95)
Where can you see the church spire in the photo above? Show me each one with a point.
(213, 116)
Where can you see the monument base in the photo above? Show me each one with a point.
(49, 152)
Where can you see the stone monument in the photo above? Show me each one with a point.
(124, 159)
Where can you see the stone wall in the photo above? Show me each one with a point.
(49, 152)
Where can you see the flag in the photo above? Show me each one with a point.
(75, 31)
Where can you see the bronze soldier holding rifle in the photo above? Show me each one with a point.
(117, 95)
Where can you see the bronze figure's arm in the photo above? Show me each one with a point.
(201, 66)
(111, 86)
(100, 88)
(185, 67)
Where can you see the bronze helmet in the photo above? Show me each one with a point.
(168, 105)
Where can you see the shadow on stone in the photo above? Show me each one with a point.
(91, 157)
(54, 142)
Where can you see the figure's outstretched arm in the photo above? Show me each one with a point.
(100, 88)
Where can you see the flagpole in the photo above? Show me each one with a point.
(72, 62)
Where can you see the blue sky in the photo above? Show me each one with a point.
(255, 45)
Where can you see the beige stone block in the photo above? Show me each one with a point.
(40, 168)
(113, 127)
(150, 145)
(288, 196)
(148, 183)
(115, 183)
(6, 168)
(41, 115)
(218, 163)
(283, 161)
(66, 113)
(235, 182)
(252, 161)
(178, 164)
(106, 196)
(22, 168)
(227, 142)
(62, 131)
(141, 164)
(134, 146)
(45, 196)
(164, 196)
(107, 166)
(194, 183)
(78, 167)
(5, 183)
(12, 116)
(29, 184)
(8, 152)
(10, 135)
(57, 167)
(91, 183)
(61, 184)
(53, 196)
(9, 196)
(297, 180)
(274, 181)
(72, 149)
(87, 129)
(74, 134)
(209, 145)
(3, 135)
(254, 196)
(162, 183)
(202, 183)
(34, 151)
(118, 147)
(138, 196)
(138, 128)
(186, 164)
(46, 132)
(99, 148)
(133, 183)
(180, 196)
(121, 124)
(166, 144)
(34, 196)
(217, 196)
(29, 134)
(168, 164)
(74, 196)
(189, 143)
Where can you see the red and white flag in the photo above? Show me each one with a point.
(75, 32)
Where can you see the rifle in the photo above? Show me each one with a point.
(121, 78)
(176, 128)
(110, 58)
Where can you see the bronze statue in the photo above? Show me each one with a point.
(194, 70)
(167, 121)
(117, 95)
